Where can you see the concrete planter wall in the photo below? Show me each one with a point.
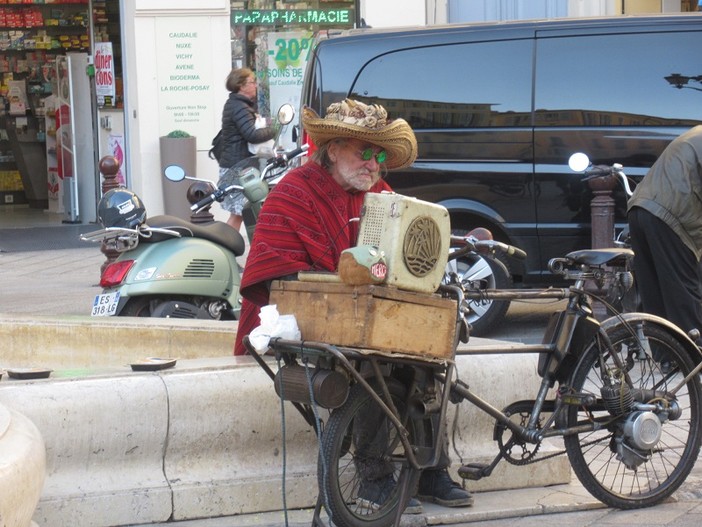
(204, 440)
(181, 151)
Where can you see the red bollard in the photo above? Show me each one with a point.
(109, 166)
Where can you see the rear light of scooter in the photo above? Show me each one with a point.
(115, 273)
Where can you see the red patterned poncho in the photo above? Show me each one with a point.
(303, 225)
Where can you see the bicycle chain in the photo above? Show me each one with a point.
(561, 452)
(500, 429)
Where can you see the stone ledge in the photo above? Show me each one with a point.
(204, 440)
(22, 466)
(66, 342)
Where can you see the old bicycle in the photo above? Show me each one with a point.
(631, 428)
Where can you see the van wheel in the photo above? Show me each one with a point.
(484, 272)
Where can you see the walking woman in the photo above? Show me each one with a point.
(238, 130)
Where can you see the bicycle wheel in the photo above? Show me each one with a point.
(637, 458)
(362, 459)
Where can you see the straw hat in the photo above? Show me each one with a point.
(366, 122)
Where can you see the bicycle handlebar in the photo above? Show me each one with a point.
(284, 158)
(280, 160)
(473, 244)
(217, 195)
(617, 170)
(509, 250)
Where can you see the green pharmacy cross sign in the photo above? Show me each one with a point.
(272, 17)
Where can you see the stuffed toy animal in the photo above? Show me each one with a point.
(362, 265)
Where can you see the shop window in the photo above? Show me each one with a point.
(274, 38)
(34, 36)
(106, 28)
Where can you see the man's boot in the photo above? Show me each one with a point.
(436, 486)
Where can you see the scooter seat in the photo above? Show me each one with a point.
(216, 232)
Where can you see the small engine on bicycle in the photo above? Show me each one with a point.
(325, 386)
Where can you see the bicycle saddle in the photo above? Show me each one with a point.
(615, 256)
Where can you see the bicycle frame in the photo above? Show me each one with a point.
(574, 344)
(564, 339)
(345, 357)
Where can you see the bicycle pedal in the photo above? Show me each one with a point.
(578, 399)
(473, 471)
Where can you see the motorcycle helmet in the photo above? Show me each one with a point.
(120, 207)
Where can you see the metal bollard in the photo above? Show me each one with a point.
(602, 211)
(109, 166)
(602, 225)
(196, 192)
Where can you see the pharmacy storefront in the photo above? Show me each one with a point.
(276, 43)
(180, 55)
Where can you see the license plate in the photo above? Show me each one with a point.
(105, 305)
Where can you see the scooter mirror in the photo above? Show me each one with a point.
(286, 113)
(174, 173)
(578, 162)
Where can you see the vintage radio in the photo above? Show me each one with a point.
(413, 234)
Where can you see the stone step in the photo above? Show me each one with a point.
(202, 439)
(69, 342)
(205, 439)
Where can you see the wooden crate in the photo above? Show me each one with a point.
(372, 317)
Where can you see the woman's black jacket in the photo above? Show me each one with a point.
(239, 129)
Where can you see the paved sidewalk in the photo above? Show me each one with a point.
(52, 282)
(559, 505)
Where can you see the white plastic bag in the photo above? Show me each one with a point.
(273, 324)
(265, 148)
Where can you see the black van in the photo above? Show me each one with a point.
(499, 107)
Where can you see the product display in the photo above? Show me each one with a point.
(32, 35)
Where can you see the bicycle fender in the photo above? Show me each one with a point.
(675, 331)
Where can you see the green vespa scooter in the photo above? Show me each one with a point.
(169, 267)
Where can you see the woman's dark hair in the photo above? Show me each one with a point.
(237, 78)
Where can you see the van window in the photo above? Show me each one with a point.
(642, 79)
(486, 84)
